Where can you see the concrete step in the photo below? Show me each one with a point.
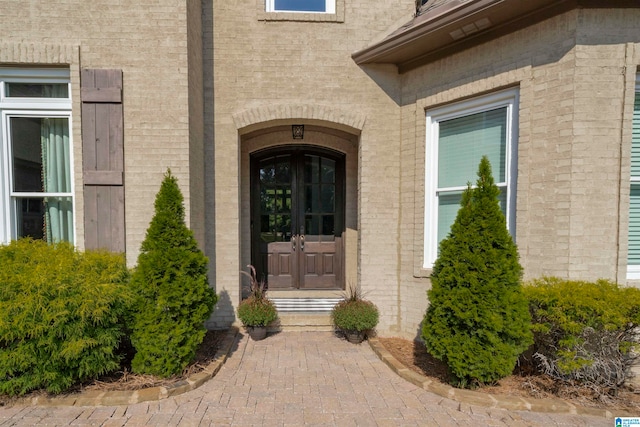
(304, 314)
(299, 321)
(306, 305)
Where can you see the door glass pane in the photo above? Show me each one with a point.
(328, 171)
(320, 195)
(328, 225)
(328, 198)
(311, 225)
(311, 169)
(275, 199)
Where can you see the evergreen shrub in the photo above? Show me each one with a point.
(173, 297)
(584, 331)
(477, 321)
(61, 315)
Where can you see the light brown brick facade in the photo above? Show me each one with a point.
(208, 82)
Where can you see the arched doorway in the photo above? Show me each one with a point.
(298, 217)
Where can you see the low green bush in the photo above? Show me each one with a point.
(256, 312)
(256, 309)
(61, 315)
(355, 315)
(584, 331)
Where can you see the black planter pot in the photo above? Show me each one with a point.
(355, 337)
(257, 333)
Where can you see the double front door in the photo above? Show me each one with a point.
(297, 218)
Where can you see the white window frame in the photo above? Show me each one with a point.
(28, 107)
(633, 271)
(330, 8)
(507, 98)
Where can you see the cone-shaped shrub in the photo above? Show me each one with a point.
(478, 321)
(173, 294)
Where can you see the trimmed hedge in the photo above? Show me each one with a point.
(584, 331)
(61, 315)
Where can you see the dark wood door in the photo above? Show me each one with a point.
(298, 218)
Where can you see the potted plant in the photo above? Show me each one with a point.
(355, 316)
(256, 311)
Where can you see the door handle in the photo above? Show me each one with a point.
(302, 242)
(293, 242)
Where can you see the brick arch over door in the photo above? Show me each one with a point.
(279, 114)
(328, 137)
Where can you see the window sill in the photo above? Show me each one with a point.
(422, 272)
(633, 272)
(337, 17)
(302, 17)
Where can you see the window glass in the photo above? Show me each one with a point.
(301, 5)
(633, 259)
(37, 90)
(41, 164)
(36, 194)
(308, 6)
(457, 138)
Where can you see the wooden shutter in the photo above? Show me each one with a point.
(103, 159)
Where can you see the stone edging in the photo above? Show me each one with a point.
(470, 397)
(130, 397)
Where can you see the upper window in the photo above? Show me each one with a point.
(458, 136)
(36, 189)
(633, 259)
(308, 6)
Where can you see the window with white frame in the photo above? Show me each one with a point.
(633, 258)
(307, 6)
(458, 135)
(36, 188)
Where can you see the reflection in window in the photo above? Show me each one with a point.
(458, 136)
(309, 6)
(37, 90)
(42, 169)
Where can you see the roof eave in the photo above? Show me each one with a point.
(428, 38)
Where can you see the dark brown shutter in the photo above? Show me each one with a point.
(103, 159)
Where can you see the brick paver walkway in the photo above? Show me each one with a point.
(296, 378)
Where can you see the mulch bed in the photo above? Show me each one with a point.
(127, 380)
(524, 383)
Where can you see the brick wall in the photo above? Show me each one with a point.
(271, 71)
(152, 46)
(575, 76)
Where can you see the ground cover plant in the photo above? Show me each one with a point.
(61, 315)
(173, 297)
(477, 321)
